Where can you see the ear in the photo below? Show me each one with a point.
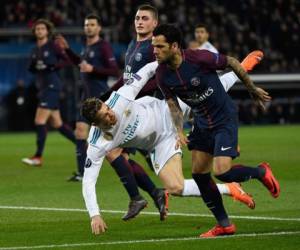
(174, 46)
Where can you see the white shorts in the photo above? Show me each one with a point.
(162, 152)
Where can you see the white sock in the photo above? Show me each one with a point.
(228, 80)
(223, 189)
(190, 188)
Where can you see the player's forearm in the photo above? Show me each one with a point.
(74, 58)
(176, 114)
(241, 73)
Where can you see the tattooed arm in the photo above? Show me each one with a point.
(177, 118)
(258, 94)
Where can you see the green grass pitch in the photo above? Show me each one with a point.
(274, 224)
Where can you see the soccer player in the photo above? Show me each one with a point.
(45, 61)
(121, 121)
(191, 76)
(96, 64)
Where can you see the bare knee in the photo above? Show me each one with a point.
(114, 154)
(81, 132)
(175, 188)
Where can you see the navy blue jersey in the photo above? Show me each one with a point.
(138, 54)
(44, 63)
(99, 55)
(197, 84)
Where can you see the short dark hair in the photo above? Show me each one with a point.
(201, 25)
(170, 32)
(49, 25)
(150, 8)
(93, 16)
(89, 109)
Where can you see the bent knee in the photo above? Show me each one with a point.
(175, 188)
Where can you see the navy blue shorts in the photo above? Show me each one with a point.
(219, 141)
(49, 99)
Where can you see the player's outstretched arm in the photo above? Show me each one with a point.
(177, 118)
(133, 86)
(258, 94)
(91, 172)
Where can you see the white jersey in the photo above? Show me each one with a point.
(145, 123)
(208, 46)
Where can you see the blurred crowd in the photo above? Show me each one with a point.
(236, 26)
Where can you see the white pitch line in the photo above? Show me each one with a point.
(151, 213)
(150, 241)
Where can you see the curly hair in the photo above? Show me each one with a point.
(49, 25)
(89, 109)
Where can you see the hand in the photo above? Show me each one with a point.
(85, 67)
(181, 140)
(98, 225)
(61, 42)
(261, 96)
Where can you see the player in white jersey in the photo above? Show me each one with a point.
(124, 122)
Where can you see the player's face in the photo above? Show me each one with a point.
(201, 35)
(106, 117)
(162, 50)
(91, 28)
(41, 31)
(144, 22)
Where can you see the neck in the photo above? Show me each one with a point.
(143, 37)
(176, 61)
(92, 40)
(41, 42)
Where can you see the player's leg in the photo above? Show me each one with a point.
(81, 134)
(41, 117)
(64, 129)
(226, 149)
(124, 170)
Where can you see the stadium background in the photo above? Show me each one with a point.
(236, 28)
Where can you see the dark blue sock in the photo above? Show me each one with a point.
(212, 197)
(240, 173)
(81, 147)
(123, 169)
(67, 132)
(142, 178)
(41, 131)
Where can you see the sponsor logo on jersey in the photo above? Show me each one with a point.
(138, 57)
(91, 54)
(129, 131)
(88, 163)
(197, 98)
(136, 76)
(195, 81)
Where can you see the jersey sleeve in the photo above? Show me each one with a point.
(206, 59)
(111, 67)
(133, 86)
(91, 172)
(160, 82)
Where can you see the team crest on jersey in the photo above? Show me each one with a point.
(127, 112)
(108, 136)
(195, 81)
(46, 53)
(138, 57)
(130, 81)
(92, 54)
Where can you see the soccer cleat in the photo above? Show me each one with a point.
(252, 59)
(135, 206)
(219, 231)
(238, 194)
(76, 177)
(269, 180)
(33, 161)
(162, 203)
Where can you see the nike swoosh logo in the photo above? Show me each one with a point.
(224, 149)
